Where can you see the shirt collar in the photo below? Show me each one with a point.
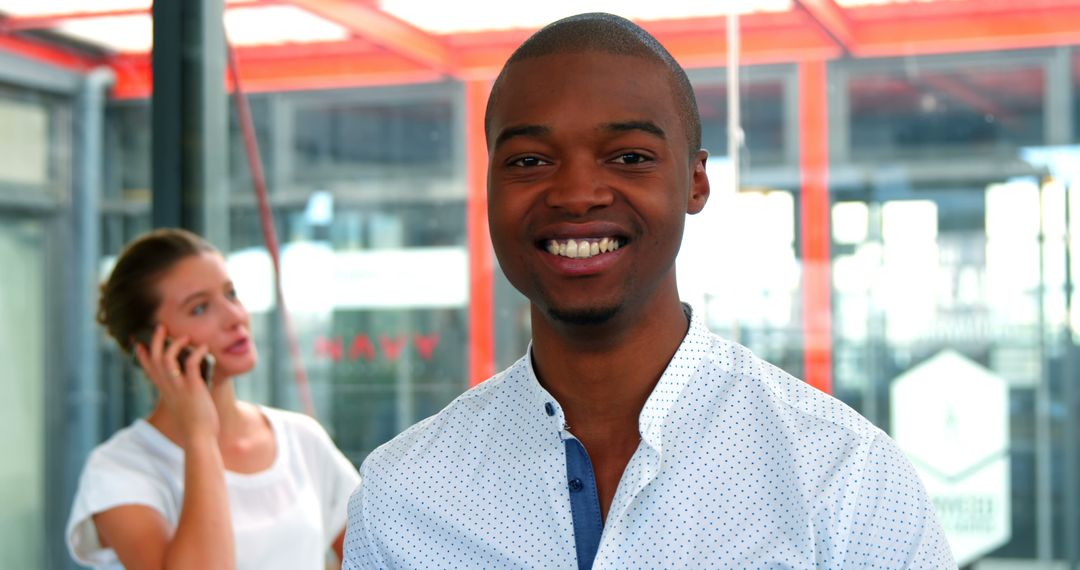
(541, 401)
(691, 352)
(680, 370)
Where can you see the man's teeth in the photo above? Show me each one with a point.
(579, 249)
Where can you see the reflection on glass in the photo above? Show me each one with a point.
(1012, 252)
(738, 264)
(909, 269)
(763, 114)
(920, 111)
(850, 222)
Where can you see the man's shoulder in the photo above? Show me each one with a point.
(780, 421)
(779, 393)
(481, 412)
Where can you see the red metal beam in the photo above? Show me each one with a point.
(923, 10)
(481, 256)
(995, 30)
(695, 43)
(369, 22)
(957, 25)
(134, 79)
(355, 48)
(48, 53)
(258, 73)
(708, 48)
(814, 218)
(832, 20)
(333, 72)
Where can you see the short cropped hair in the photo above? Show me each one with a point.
(607, 33)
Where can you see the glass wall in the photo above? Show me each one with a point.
(949, 278)
(368, 201)
(33, 169)
(375, 272)
(753, 229)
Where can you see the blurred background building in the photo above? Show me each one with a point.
(896, 197)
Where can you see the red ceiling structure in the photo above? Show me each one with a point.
(384, 49)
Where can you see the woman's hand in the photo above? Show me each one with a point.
(183, 391)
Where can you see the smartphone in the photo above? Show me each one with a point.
(206, 367)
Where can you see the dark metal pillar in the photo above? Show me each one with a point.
(190, 129)
(1058, 121)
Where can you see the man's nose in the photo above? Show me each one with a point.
(579, 186)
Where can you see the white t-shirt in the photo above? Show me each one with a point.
(284, 517)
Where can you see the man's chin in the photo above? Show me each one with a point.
(583, 316)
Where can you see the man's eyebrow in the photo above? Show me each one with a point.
(645, 126)
(521, 131)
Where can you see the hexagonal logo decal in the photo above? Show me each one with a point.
(950, 417)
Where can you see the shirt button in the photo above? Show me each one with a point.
(549, 409)
(576, 485)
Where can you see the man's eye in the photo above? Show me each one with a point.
(529, 161)
(198, 309)
(631, 158)
(231, 295)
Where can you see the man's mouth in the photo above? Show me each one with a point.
(582, 248)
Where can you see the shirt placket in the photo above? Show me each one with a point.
(642, 469)
(584, 502)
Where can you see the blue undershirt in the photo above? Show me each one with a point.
(584, 503)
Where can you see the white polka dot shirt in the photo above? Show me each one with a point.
(740, 466)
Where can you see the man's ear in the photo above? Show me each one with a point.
(699, 183)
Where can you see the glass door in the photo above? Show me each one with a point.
(22, 352)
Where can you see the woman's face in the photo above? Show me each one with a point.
(198, 301)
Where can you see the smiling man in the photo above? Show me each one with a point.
(628, 435)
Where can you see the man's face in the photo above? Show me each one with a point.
(589, 182)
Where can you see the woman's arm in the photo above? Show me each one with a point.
(138, 534)
(144, 540)
(204, 533)
(203, 538)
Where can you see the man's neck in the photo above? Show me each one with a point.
(602, 378)
(602, 375)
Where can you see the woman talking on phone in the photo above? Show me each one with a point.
(205, 480)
